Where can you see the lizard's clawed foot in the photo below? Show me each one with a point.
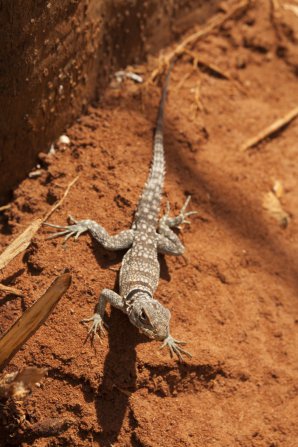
(178, 220)
(97, 324)
(77, 228)
(174, 347)
(182, 215)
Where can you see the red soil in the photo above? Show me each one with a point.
(232, 295)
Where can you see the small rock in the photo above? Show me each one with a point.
(240, 62)
(52, 150)
(35, 174)
(64, 139)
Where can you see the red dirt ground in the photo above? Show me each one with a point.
(233, 295)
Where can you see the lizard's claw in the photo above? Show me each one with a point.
(184, 214)
(78, 228)
(175, 222)
(174, 347)
(97, 324)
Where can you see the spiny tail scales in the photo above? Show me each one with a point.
(149, 204)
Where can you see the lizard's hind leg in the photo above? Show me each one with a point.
(168, 242)
(174, 222)
(120, 241)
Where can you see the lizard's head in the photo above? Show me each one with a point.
(149, 316)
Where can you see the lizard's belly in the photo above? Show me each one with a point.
(140, 269)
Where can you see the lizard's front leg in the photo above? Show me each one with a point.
(120, 241)
(106, 296)
(175, 347)
(168, 242)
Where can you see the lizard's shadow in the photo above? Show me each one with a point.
(105, 258)
(119, 372)
(119, 377)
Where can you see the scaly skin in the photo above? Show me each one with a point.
(140, 271)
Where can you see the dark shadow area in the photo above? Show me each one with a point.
(233, 208)
(119, 379)
(164, 270)
(185, 376)
(10, 297)
(5, 226)
(10, 279)
(6, 298)
(105, 259)
(119, 372)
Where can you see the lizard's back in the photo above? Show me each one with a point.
(140, 267)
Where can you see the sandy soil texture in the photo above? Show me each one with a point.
(233, 295)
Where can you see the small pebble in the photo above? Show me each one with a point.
(35, 174)
(52, 149)
(64, 139)
(120, 75)
(240, 62)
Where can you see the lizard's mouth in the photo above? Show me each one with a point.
(148, 332)
(154, 334)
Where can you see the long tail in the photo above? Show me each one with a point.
(149, 203)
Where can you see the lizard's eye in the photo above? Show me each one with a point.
(144, 317)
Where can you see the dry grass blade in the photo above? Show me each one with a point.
(198, 100)
(23, 240)
(275, 5)
(278, 188)
(32, 318)
(19, 244)
(165, 61)
(5, 207)
(199, 60)
(10, 290)
(268, 131)
(292, 8)
(272, 204)
(61, 200)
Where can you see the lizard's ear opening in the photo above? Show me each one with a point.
(144, 317)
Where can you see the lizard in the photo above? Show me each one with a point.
(140, 269)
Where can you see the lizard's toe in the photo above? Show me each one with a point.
(174, 347)
(96, 326)
(78, 228)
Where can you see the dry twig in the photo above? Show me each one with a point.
(292, 8)
(164, 61)
(10, 290)
(268, 131)
(23, 240)
(183, 79)
(5, 207)
(20, 243)
(198, 101)
(32, 318)
(61, 200)
(199, 60)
